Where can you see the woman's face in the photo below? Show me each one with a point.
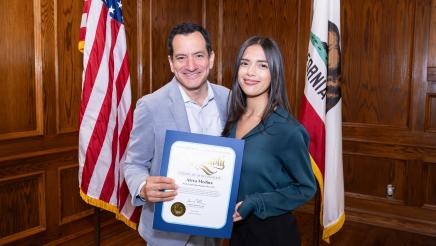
(254, 76)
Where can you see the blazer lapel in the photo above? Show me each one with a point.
(177, 107)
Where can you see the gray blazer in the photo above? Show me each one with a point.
(154, 114)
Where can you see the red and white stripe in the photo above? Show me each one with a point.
(105, 118)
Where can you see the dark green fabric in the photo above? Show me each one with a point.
(276, 175)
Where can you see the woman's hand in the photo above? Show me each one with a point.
(236, 215)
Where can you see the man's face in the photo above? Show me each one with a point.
(190, 62)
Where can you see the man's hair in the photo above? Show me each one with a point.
(187, 28)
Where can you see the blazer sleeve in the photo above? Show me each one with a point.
(140, 150)
(295, 159)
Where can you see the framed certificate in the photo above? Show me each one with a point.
(206, 170)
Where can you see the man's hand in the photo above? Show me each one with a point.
(158, 189)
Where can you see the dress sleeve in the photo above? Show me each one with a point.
(294, 157)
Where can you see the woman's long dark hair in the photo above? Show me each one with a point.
(277, 96)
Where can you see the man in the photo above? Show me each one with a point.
(187, 103)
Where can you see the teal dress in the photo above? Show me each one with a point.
(276, 175)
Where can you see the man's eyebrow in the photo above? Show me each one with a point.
(200, 52)
(195, 53)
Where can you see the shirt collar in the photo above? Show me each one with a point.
(186, 98)
(281, 111)
(278, 115)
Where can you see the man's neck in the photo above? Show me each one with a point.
(197, 95)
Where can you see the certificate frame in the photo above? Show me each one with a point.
(164, 221)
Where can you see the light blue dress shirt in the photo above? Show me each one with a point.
(203, 119)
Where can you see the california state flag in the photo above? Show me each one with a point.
(321, 112)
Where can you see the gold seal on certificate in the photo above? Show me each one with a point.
(178, 209)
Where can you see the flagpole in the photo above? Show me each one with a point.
(317, 206)
(316, 218)
(96, 226)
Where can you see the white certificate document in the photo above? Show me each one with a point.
(203, 174)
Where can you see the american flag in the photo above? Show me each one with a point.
(105, 119)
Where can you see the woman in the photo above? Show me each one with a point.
(276, 175)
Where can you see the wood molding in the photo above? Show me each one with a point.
(77, 216)
(38, 68)
(104, 224)
(140, 51)
(428, 113)
(374, 198)
(38, 153)
(407, 224)
(369, 125)
(421, 214)
(391, 151)
(432, 44)
(431, 74)
(420, 53)
(67, 65)
(213, 22)
(382, 219)
(387, 135)
(23, 134)
(430, 207)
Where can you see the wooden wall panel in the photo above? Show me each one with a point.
(416, 176)
(71, 205)
(387, 113)
(213, 10)
(420, 54)
(22, 206)
(243, 19)
(369, 176)
(430, 194)
(432, 45)
(68, 64)
(164, 15)
(144, 41)
(430, 113)
(376, 66)
(432, 53)
(21, 96)
(131, 12)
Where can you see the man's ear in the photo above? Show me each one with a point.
(170, 60)
(211, 59)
